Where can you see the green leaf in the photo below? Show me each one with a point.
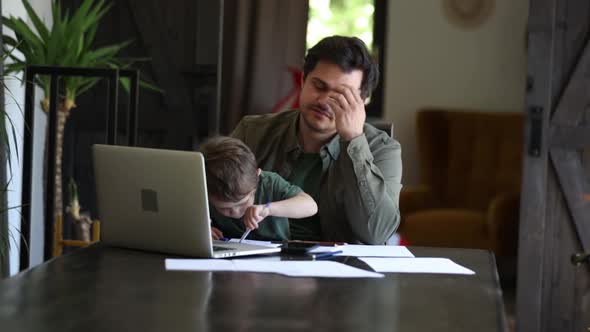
(55, 45)
(150, 86)
(21, 28)
(87, 85)
(15, 60)
(14, 138)
(56, 12)
(104, 54)
(81, 13)
(100, 10)
(19, 43)
(10, 53)
(93, 16)
(7, 40)
(15, 67)
(41, 28)
(125, 82)
(89, 38)
(6, 142)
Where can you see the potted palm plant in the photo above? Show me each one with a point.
(68, 43)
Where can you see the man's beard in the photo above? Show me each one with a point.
(318, 126)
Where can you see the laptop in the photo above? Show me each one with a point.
(156, 200)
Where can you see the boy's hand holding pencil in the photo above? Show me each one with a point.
(255, 214)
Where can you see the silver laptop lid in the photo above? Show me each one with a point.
(153, 199)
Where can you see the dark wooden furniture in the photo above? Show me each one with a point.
(109, 289)
(470, 175)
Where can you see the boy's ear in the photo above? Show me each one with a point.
(258, 171)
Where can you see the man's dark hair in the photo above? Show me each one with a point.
(348, 53)
(230, 167)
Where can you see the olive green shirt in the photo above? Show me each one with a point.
(307, 172)
(271, 188)
(360, 182)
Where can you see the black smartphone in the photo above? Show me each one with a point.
(297, 248)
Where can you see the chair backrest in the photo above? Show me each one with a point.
(383, 125)
(467, 157)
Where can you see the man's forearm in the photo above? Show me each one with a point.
(372, 200)
(373, 220)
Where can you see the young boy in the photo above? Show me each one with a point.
(238, 189)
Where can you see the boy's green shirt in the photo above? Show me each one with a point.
(271, 187)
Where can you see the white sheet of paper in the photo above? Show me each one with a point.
(357, 250)
(259, 243)
(416, 265)
(326, 269)
(321, 249)
(198, 264)
(262, 258)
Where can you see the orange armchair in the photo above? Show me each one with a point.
(470, 168)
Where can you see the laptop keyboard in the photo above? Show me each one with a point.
(218, 248)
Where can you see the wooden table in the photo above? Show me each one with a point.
(109, 289)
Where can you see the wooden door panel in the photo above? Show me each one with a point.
(536, 189)
(553, 293)
(574, 183)
(583, 284)
(584, 271)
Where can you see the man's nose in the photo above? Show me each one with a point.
(323, 97)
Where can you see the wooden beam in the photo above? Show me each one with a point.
(569, 137)
(575, 96)
(566, 137)
(531, 245)
(575, 186)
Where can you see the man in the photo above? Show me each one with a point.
(350, 168)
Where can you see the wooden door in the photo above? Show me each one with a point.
(553, 291)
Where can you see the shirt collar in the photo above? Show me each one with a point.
(333, 147)
(292, 143)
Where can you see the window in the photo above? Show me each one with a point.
(340, 17)
(364, 19)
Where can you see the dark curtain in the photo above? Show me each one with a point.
(261, 38)
(4, 238)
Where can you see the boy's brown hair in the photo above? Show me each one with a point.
(230, 167)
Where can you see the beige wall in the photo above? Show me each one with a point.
(433, 63)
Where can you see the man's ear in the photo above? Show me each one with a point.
(258, 171)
